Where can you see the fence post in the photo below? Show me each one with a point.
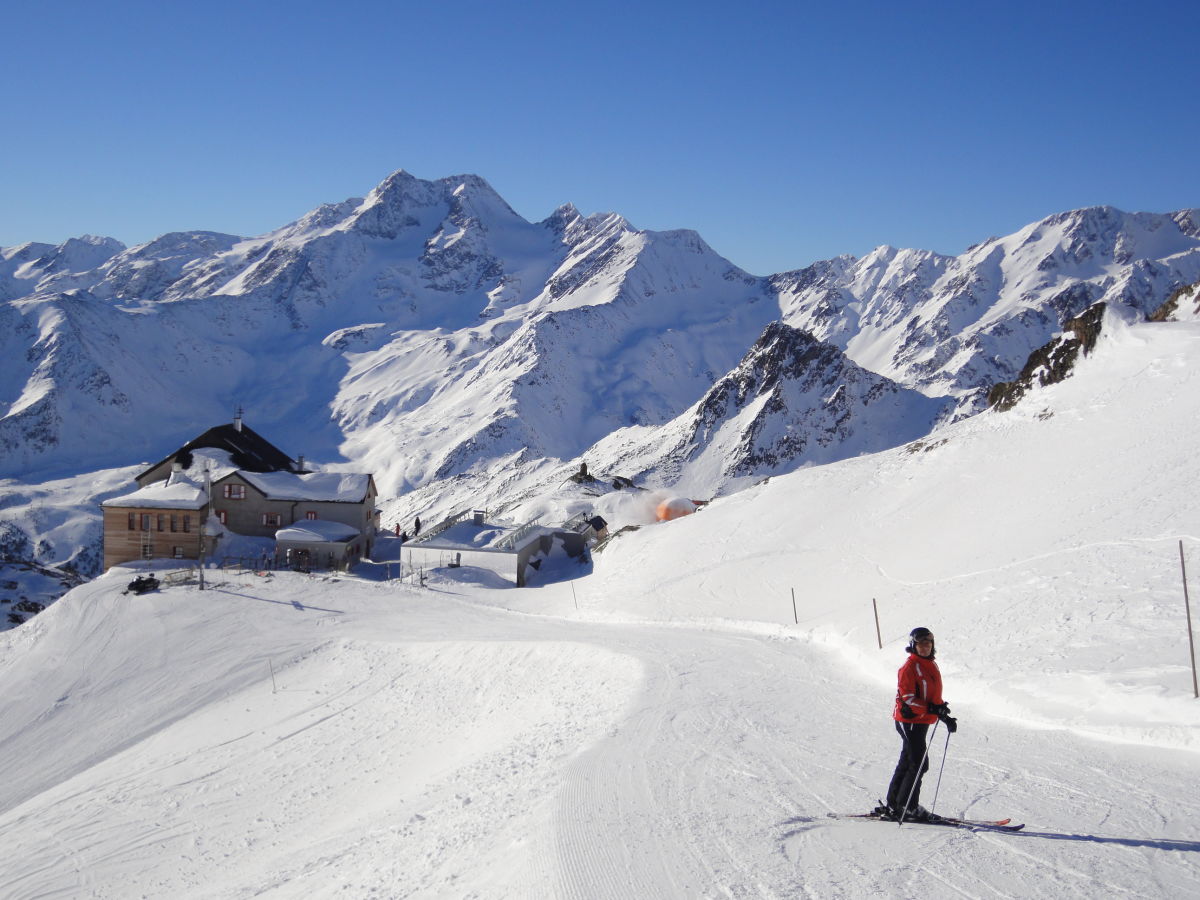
(878, 633)
(1187, 605)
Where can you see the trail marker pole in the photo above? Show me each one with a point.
(795, 614)
(573, 594)
(878, 633)
(274, 689)
(1187, 604)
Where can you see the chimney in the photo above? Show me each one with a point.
(237, 420)
(300, 464)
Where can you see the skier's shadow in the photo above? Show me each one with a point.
(1152, 843)
(804, 823)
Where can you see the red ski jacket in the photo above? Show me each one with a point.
(918, 684)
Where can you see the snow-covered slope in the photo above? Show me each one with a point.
(663, 726)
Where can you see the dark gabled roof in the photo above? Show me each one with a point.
(247, 449)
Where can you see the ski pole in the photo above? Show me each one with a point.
(941, 768)
(917, 779)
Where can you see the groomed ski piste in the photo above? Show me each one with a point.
(663, 726)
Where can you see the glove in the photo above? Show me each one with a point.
(951, 724)
(906, 711)
(939, 709)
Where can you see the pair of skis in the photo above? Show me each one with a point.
(949, 821)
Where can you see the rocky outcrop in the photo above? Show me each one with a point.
(1054, 361)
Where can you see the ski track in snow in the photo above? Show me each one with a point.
(533, 756)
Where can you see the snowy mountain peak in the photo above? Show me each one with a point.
(390, 207)
(471, 197)
(797, 399)
(565, 220)
(77, 254)
(791, 401)
(402, 202)
(177, 243)
(32, 267)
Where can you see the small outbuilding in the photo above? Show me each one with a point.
(318, 543)
(470, 538)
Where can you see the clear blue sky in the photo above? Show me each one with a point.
(783, 132)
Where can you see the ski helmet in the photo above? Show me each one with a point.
(918, 634)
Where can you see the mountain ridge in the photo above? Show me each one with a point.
(430, 334)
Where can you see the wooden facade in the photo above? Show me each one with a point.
(132, 533)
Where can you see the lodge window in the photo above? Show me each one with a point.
(179, 553)
(273, 520)
(222, 517)
(146, 522)
(310, 515)
(174, 522)
(235, 492)
(133, 521)
(187, 523)
(162, 522)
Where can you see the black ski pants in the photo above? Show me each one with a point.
(913, 764)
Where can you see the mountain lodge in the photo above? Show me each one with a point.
(231, 479)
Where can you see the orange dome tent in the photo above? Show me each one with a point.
(674, 508)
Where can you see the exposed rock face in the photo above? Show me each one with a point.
(1182, 305)
(1052, 362)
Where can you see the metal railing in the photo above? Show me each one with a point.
(509, 542)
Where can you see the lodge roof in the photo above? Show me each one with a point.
(343, 487)
(248, 450)
(176, 492)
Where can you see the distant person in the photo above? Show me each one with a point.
(416, 526)
(919, 704)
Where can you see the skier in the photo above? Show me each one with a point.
(919, 704)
